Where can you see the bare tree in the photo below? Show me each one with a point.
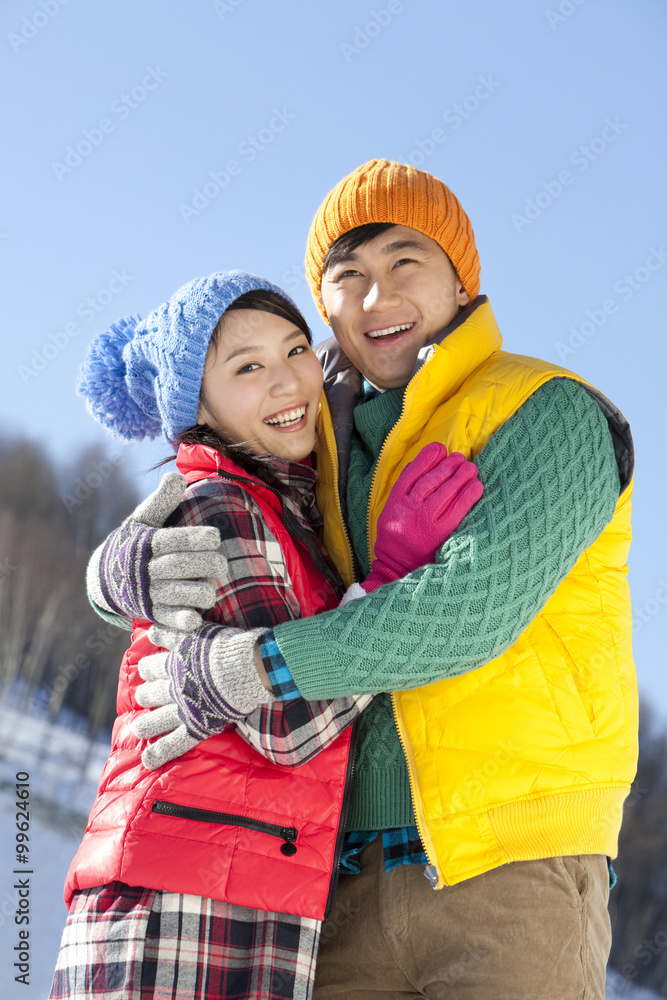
(53, 647)
(638, 904)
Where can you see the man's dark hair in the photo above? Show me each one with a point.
(352, 240)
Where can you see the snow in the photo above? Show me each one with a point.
(61, 793)
(620, 988)
(60, 797)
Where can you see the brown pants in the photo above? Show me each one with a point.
(531, 930)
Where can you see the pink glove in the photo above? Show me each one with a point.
(427, 502)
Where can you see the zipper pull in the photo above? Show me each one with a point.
(290, 835)
(432, 875)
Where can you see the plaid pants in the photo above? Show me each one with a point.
(125, 943)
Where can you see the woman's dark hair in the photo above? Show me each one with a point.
(263, 300)
(259, 466)
(352, 240)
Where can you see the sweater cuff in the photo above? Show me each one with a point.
(109, 616)
(280, 677)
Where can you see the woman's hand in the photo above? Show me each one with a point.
(427, 503)
(205, 681)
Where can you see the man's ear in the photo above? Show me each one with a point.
(462, 297)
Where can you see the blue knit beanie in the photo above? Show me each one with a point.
(143, 377)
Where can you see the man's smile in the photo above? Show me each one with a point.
(389, 331)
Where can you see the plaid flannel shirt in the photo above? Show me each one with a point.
(257, 592)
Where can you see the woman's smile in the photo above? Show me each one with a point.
(262, 385)
(290, 419)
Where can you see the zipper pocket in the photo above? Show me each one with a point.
(286, 833)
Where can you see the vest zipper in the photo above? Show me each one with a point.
(421, 825)
(419, 818)
(333, 452)
(379, 460)
(286, 833)
(340, 836)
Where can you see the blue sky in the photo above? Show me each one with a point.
(149, 143)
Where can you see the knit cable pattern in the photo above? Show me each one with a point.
(551, 484)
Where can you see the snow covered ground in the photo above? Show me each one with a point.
(61, 793)
(619, 988)
(62, 789)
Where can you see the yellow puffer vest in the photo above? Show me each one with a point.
(531, 755)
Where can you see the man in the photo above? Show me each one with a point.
(500, 762)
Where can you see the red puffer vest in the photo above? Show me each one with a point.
(221, 821)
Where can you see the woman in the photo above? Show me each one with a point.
(208, 875)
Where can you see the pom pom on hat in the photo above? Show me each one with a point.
(143, 377)
(103, 384)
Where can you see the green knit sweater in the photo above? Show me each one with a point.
(381, 796)
(550, 486)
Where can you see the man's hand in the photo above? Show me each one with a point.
(166, 575)
(204, 682)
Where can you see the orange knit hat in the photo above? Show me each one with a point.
(380, 191)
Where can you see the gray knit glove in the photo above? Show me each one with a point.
(163, 574)
(205, 682)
